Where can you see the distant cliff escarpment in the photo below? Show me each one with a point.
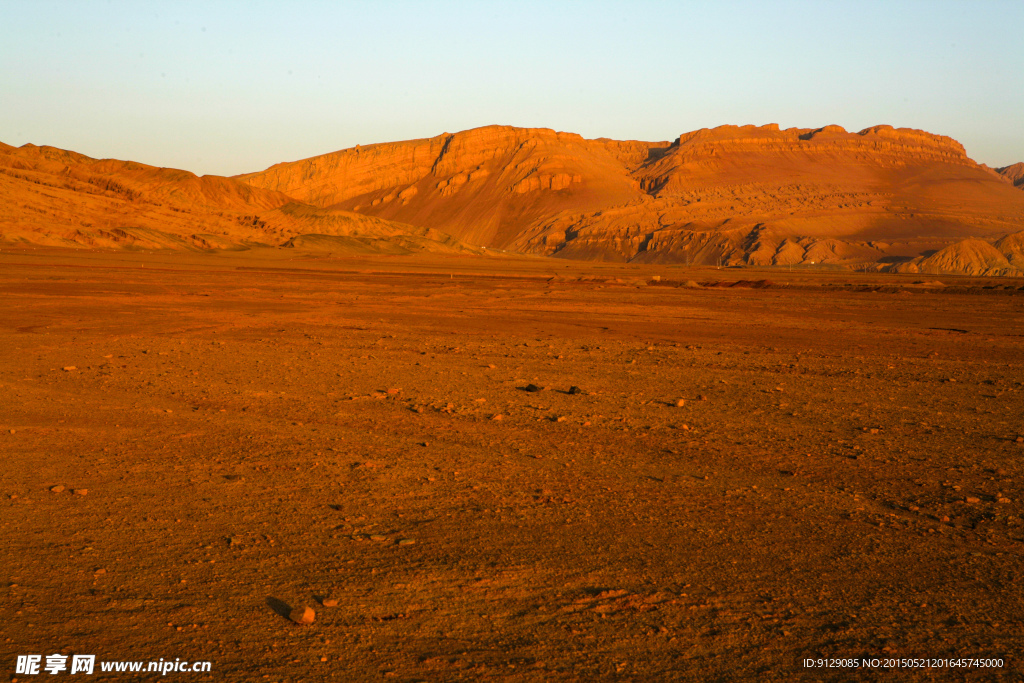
(882, 198)
(736, 195)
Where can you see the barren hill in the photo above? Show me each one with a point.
(733, 194)
(61, 198)
(881, 199)
(1014, 173)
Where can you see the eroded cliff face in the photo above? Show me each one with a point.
(487, 184)
(732, 194)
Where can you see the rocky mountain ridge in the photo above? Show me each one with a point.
(882, 198)
(739, 195)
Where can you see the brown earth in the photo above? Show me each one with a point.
(243, 434)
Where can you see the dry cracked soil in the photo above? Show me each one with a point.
(746, 476)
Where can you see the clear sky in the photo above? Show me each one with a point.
(228, 87)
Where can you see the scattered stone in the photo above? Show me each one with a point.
(378, 537)
(12, 431)
(680, 402)
(491, 366)
(1019, 439)
(303, 616)
(560, 418)
(533, 388)
(971, 499)
(406, 541)
(69, 368)
(498, 417)
(573, 390)
(393, 391)
(1003, 500)
(873, 431)
(80, 492)
(944, 518)
(329, 602)
(702, 397)
(57, 489)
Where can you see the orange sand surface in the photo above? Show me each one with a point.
(508, 469)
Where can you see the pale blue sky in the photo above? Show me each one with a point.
(229, 87)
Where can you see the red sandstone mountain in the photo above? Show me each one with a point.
(880, 198)
(743, 195)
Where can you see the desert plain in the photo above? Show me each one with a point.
(507, 468)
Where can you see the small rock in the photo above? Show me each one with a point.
(406, 541)
(329, 602)
(944, 518)
(702, 397)
(533, 388)
(1003, 500)
(560, 418)
(971, 499)
(680, 402)
(304, 616)
(69, 368)
(57, 489)
(573, 390)
(80, 492)
(394, 391)
(1019, 439)
(873, 431)
(378, 537)
(498, 417)
(12, 431)
(491, 366)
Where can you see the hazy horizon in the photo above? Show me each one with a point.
(233, 88)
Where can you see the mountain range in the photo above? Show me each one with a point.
(879, 199)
